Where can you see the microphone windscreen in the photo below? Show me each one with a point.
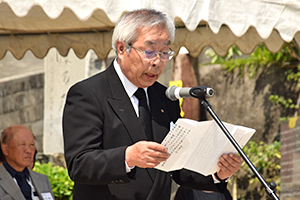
(170, 93)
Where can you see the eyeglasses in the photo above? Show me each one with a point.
(165, 55)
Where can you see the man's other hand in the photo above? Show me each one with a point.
(229, 164)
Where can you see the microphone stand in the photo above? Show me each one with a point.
(269, 189)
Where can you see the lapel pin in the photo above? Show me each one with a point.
(162, 110)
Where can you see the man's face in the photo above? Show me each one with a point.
(20, 150)
(139, 70)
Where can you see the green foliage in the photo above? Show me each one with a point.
(232, 51)
(62, 185)
(287, 103)
(288, 58)
(260, 57)
(266, 159)
(293, 75)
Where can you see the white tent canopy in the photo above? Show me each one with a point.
(39, 25)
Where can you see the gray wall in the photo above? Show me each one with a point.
(22, 102)
(244, 101)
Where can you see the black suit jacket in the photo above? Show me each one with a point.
(99, 122)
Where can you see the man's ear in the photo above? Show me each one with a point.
(121, 48)
(4, 148)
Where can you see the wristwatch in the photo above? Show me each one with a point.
(221, 180)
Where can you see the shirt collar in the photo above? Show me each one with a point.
(130, 88)
(13, 172)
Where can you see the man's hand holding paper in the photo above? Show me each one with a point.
(229, 164)
(146, 154)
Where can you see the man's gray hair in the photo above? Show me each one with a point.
(127, 27)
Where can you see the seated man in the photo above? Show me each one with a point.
(17, 181)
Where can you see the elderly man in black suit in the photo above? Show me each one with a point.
(110, 148)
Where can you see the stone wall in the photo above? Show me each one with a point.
(245, 101)
(22, 102)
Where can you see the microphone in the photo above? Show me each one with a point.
(175, 93)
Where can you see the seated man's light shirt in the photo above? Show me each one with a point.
(32, 188)
(33, 193)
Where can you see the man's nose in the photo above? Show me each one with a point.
(156, 60)
(29, 148)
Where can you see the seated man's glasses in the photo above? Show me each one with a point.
(165, 55)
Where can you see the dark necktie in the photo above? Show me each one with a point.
(24, 186)
(144, 113)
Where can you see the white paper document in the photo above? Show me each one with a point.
(197, 146)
